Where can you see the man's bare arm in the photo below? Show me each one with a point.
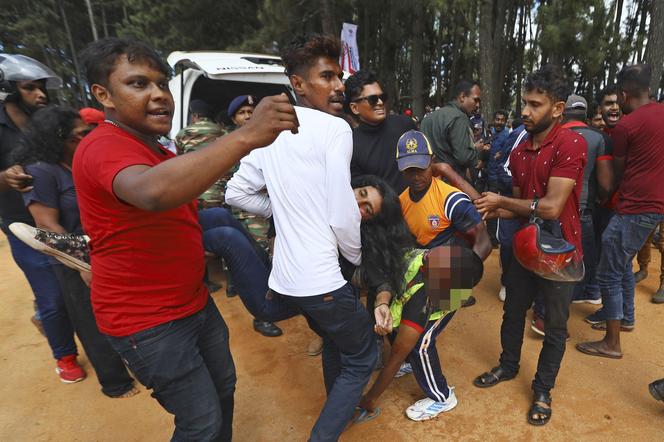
(445, 171)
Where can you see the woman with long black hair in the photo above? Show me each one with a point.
(47, 153)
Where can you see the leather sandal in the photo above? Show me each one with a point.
(495, 376)
(536, 409)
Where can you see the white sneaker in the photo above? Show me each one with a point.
(405, 369)
(502, 293)
(427, 408)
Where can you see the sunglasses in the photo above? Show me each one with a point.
(372, 99)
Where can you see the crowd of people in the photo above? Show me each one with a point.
(311, 206)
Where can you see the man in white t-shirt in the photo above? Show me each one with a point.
(307, 177)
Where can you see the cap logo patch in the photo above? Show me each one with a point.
(411, 145)
(250, 100)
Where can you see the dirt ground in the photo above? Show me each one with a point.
(280, 389)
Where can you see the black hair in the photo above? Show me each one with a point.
(516, 122)
(635, 79)
(45, 138)
(499, 112)
(550, 80)
(386, 237)
(304, 50)
(464, 87)
(354, 85)
(99, 58)
(201, 108)
(611, 89)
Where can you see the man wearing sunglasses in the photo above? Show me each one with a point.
(449, 129)
(377, 133)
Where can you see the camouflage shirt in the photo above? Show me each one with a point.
(195, 136)
(200, 134)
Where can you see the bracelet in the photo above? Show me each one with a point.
(382, 303)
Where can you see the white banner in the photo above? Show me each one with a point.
(350, 54)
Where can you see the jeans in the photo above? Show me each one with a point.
(506, 230)
(621, 241)
(111, 371)
(38, 270)
(188, 365)
(349, 354)
(247, 262)
(588, 288)
(522, 285)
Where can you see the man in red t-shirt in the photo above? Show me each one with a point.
(547, 176)
(137, 203)
(638, 151)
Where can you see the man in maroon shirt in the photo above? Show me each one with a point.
(638, 157)
(547, 176)
(137, 203)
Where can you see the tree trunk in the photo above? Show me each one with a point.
(74, 57)
(521, 44)
(417, 60)
(492, 38)
(326, 18)
(613, 48)
(655, 50)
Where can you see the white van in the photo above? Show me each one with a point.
(218, 77)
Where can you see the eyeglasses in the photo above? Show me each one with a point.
(372, 99)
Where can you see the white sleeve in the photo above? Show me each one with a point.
(342, 211)
(247, 189)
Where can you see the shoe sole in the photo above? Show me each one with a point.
(433, 416)
(587, 301)
(592, 322)
(67, 381)
(657, 300)
(602, 327)
(537, 330)
(27, 234)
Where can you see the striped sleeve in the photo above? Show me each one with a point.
(461, 211)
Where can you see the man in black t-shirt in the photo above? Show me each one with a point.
(376, 136)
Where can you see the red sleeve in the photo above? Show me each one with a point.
(571, 157)
(109, 155)
(619, 135)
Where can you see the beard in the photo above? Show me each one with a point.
(540, 126)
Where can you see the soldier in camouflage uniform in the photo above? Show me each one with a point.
(199, 133)
(239, 112)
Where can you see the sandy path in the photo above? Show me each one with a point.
(280, 388)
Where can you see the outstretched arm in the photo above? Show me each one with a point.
(153, 189)
(404, 343)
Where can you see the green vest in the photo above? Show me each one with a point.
(415, 261)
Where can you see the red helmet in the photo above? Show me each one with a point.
(540, 248)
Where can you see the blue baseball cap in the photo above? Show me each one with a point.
(240, 101)
(413, 150)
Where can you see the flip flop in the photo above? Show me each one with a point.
(592, 349)
(365, 415)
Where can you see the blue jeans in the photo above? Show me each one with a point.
(621, 241)
(349, 354)
(38, 270)
(188, 365)
(588, 288)
(247, 262)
